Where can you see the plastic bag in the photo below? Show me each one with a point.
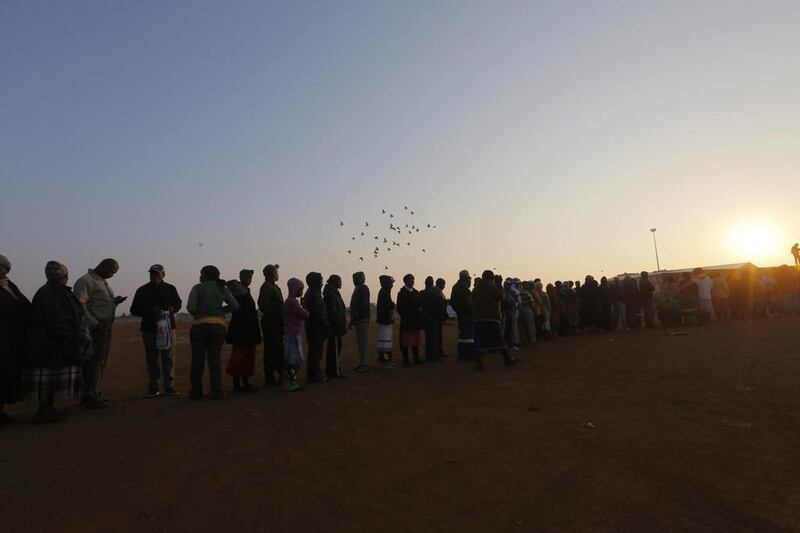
(163, 332)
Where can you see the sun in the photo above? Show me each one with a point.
(756, 241)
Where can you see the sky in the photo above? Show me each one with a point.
(543, 139)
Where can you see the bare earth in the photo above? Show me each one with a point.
(697, 432)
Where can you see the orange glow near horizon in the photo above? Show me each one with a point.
(758, 242)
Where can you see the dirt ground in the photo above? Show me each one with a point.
(696, 432)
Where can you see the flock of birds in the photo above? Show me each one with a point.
(400, 230)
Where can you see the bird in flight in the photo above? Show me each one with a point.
(429, 225)
(360, 258)
(383, 211)
(349, 252)
(366, 224)
(405, 207)
(391, 215)
(384, 240)
(408, 243)
(341, 223)
(412, 212)
(423, 250)
(362, 233)
(385, 267)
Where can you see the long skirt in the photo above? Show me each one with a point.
(489, 336)
(409, 339)
(242, 362)
(385, 335)
(58, 383)
(466, 339)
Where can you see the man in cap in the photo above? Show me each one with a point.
(270, 303)
(100, 304)
(151, 301)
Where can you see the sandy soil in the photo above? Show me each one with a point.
(696, 432)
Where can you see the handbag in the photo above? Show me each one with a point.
(163, 332)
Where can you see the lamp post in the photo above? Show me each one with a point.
(655, 246)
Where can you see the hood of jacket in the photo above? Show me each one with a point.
(359, 278)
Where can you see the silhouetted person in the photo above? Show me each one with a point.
(409, 307)
(244, 334)
(270, 303)
(14, 311)
(796, 254)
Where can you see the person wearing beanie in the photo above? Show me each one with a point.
(151, 302)
(244, 334)
(409, 307)
(14, 311)
(461, 300)
(206, 304)
(270, 303)
(294, 318)
(359, 318)
(58, 343)
(487, 304)
(317, 327)
(337, 317)
(385, 318)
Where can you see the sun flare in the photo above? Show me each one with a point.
(756, 242)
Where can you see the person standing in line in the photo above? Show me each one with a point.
(431, 316)
(487, 304)
(409, 307)
(545, 307)
(647, 291)
(440, 285)
(294, 317)
(58, 343)
(705, 303)
(555, 309)
(14, 311)
(149, 302)
(270, 303)
(527, 315)
(720, 296)
(100, 304)
(461, 300)
(337, 317)
(359, 318)
(385, 319)
(244, 334)
(796, 254)
(206, 304)
(317, 327)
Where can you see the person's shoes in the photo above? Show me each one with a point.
(49, 416)
(361, 369)
(510, 360)
(170, 391)
(152, 394)
(388, 365)
(290, 386)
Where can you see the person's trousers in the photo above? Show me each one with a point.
(92, 370)
(362, 339)
(333, 356)
(466, 339)
(649, 309)
(313, 370)
(432, 342)
(273, 348)
(527, 326)
(621, 315)
(160, 363)
(206, 341)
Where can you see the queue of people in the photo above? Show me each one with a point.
(56, 347)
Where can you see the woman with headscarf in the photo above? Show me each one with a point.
(317, 327)
(207, 306)
(14, 311)
(244, 334)
(385, 312)
(294, 318)
(58, 344)
(337, 318)
(487, 307)
(409, 307)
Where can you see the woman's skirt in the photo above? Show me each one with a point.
(293, 351)
(58, 383)
(409, 339)
(489, 336)
(242, 362)
(385, 335)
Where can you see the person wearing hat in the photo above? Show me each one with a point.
(14, 311)
(244, 334)
(95, 294)
(58, 343)
(409, 307)
(385, 319)
(149, 302)
(270, 303)
(206, 304)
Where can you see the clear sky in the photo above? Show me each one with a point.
(542, 138)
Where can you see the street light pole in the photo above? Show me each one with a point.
(653, 231)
